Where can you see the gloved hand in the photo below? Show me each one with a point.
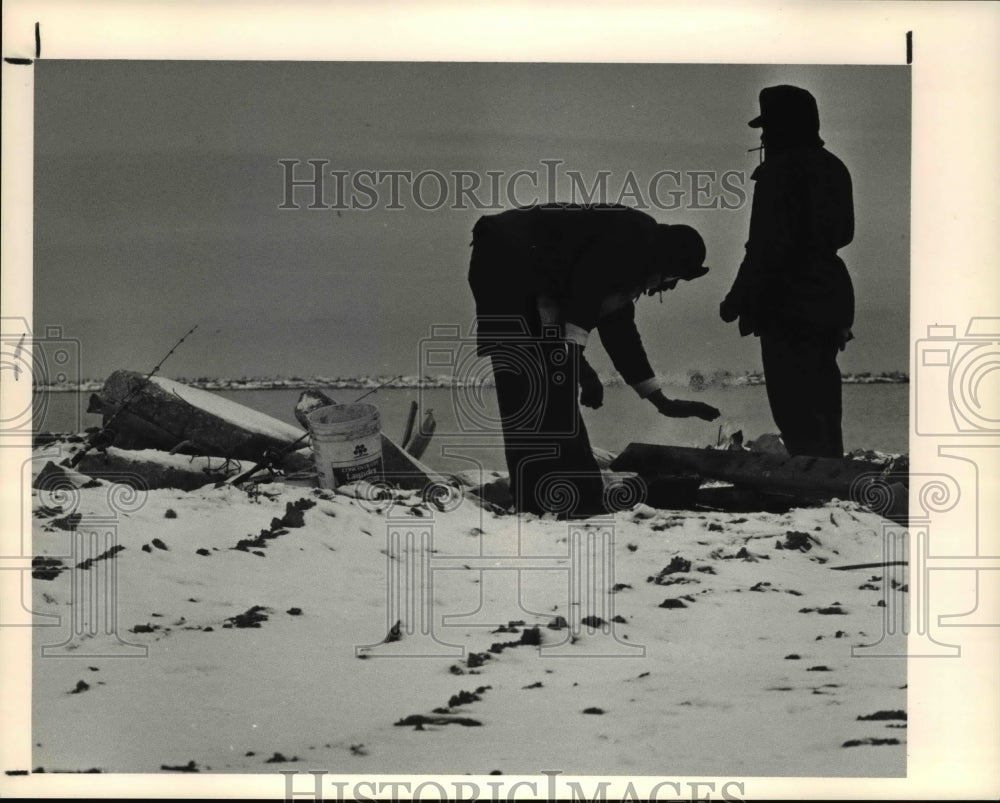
(679, 408)
(729, 310)
(591, 389)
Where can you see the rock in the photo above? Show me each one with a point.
(768, 443)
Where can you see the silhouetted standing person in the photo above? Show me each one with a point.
(792, 290)
(543, 277)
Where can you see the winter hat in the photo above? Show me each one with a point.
(787, 107)
(684, 250)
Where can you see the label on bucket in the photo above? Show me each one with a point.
(345, 474)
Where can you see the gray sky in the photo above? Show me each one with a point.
(158, 186)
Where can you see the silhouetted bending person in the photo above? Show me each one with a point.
(543, 278)
(792, 290)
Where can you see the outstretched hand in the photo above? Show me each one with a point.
(679, 408)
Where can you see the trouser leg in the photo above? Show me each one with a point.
(804, 392)
(548, 452)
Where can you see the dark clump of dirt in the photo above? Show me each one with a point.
(419, 720)
(294, 512)
(293, 518)
(672, 602)
(677, 564)
(466, 697)
(593, 710)
(81, 686)
(794, 539)
(70, 522)
(46, 512)
(252, 617)
(870, 741)
(294, 611)
(46, 568)
(831, 610)
(277, 758)
(247, 544)
(189, 767)
(395, 633)
(883, 715)
(170, 514)
(86, 564)
(510, 627)
(477, 659)
(592, 622)
(202, 551)
(443, 715)
(147, 628)
(42, 770)
(532, 636)
(559, 623)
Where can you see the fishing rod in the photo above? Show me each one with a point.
(376, 389)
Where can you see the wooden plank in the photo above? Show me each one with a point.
(807, 477)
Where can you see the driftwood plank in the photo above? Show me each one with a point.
(806, 477)
(158, 413)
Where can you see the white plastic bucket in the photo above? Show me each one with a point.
(347, 443)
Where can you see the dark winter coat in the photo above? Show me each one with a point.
(791, 278)
(582, 266)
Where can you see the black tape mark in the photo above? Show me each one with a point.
(38, 40)
(18, 61)
(909, 47)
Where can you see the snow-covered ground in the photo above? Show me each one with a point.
(248, 634)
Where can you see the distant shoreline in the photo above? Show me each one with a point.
(695, 380)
